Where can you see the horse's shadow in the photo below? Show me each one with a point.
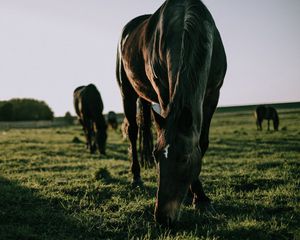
(116, 151)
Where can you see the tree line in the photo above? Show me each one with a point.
(25, 110)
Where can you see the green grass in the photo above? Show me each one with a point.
(52, 188)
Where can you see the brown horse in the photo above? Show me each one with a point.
(174, 60)
(268, 113)
(89, 106)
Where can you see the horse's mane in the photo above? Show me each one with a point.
(197, 30)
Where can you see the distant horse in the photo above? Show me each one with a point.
(89, 106)
(112, 119)
(268, 113)
(174, 61)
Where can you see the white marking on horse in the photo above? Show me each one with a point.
(166, 151)
(156, 108)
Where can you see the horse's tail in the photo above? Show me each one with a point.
(145, 138)
(255, 114)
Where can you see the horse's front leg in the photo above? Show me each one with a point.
(129, 102)
(135, 166)
(210, 103)
(200, 200)
(90, 137)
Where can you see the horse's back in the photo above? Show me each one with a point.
(152, 48)
(88, 102)
(271, 113)
(266, 112)
(133, 24)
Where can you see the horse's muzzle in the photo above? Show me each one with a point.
(166, 216)
(164, 220)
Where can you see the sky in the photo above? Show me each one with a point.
(50, 47)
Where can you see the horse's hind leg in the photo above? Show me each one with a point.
(132, 130)
(268, 125)
(91, 137)
(129, 103)
(85, 133)
(88, 134)
(258, 124)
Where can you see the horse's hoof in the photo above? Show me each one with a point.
(137, 183)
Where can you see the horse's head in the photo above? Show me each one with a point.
(178, 162)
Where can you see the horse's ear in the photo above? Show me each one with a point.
(185, 120)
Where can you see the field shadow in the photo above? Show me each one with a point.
(117, 151)
(26, 215)
(124, 184)
(238, 221)
(235, 147)
(260, 216)
(52, 169)
(268, 165)
(244, 184)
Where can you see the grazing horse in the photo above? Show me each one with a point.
(268, 113)
(89, 106)
(175, 62)
(112, 119)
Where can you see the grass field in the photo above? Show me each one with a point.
(52, 188)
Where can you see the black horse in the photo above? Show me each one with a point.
(89, 106)
(112, 120)
(174, 61)
(268, 113)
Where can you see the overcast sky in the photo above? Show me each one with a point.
(49, 47)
